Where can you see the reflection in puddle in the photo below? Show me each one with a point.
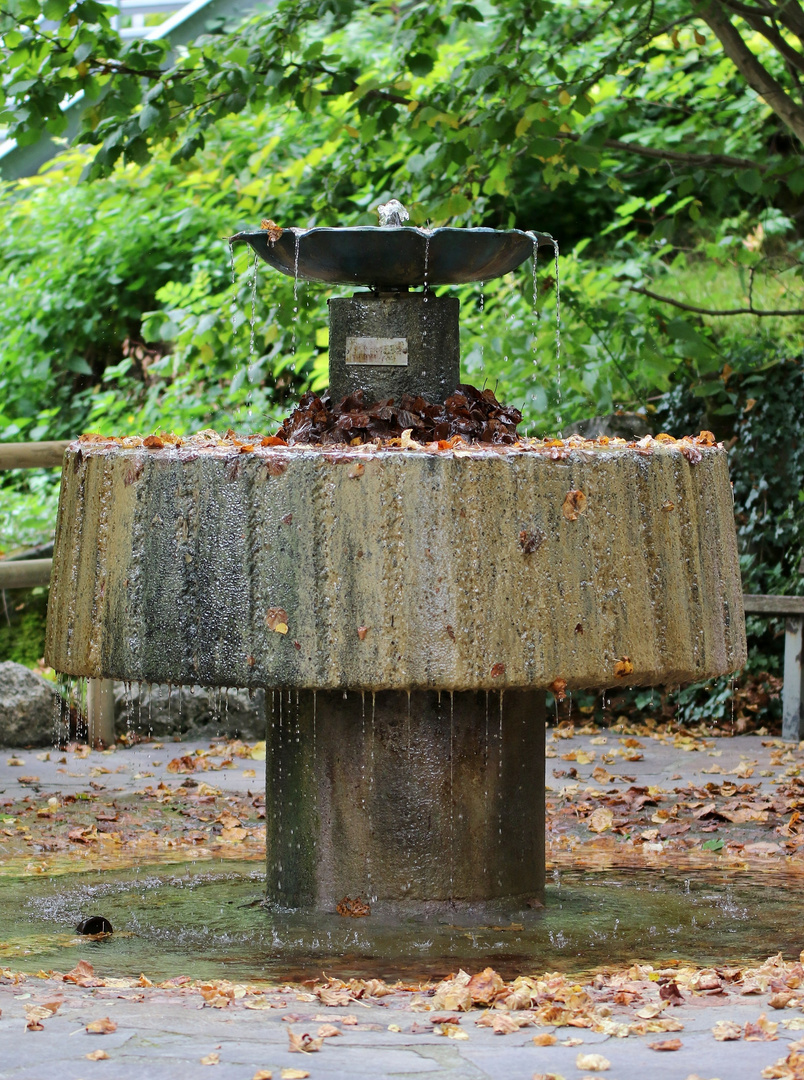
(208, 921)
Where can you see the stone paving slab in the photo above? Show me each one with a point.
(166, 1037)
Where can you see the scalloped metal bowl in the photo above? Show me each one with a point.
(395, 257)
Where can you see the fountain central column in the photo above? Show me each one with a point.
(411, 800)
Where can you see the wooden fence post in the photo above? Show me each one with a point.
(792, 689)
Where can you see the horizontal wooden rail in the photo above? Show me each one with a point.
(773, 605)
(32, 455)
(24, 573)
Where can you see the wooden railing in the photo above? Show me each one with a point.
(31, 573)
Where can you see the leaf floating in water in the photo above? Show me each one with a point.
(276, 619)
(558, 688)
(274, 231)
(574, 505)
(623, 668)
(353, 909)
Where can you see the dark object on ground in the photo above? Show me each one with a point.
(95, 924)
(474, 415)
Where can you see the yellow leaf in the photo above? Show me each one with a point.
(600, 820)
(294, 1074)
(522, 126)
(564, 98)
(97, 1055)
(592, 1062)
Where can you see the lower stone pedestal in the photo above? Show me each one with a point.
(404, 801)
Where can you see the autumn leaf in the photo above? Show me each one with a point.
(761, 1030)
(666, 1044)
(558, 688)
(497, 670)
(328, 1031)
(484, 986)
(727, 1031)
(97, 1055)
(83, 974)
(574, 504)
(600, 820)
(273, 230)
(262, 1074)
(353, 909)
(303, 1044)
(104, 1026)
(544, 1038)
(276, 619)
(361, 632)
(623, 668)
(185, 764)
(592, 1062)
(211, 1059)
(294, 1074)
(531, 541)
(153, 442)
(452, 1031)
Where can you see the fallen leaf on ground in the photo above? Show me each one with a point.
(97, 1055)
(666, 1044)
(294, 1074)
(544, 1039)
(211, 1059)
(104, 1026)
(727, 1031)
(623, 668)
(452, 1031)
(328, 1031)
(761, 1030)
(263, 1074)
(592, 1062)
(303, 1044)
(484, 986)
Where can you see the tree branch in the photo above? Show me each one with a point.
(671, 155)
(757, 22)
(710, 311)
(754, 73)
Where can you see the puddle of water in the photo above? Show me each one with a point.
(206, 921)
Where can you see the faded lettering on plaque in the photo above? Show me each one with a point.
(379, 351)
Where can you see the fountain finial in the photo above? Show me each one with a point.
(392, 214)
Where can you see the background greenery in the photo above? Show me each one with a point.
(629, 131)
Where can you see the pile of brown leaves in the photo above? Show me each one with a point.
(471, 414)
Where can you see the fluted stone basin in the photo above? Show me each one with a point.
(419, 584)
(394, 570)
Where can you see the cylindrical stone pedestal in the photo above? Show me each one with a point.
(405, 802)
(391, 344)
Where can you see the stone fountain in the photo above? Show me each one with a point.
(405, 606)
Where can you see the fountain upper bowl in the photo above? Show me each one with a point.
(395, 257)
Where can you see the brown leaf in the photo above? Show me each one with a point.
(211, 1059)
(666, 1044)
(484, 986)
(623, 668)
(83, 974)
(97, 1055)
(544, 1039)
(276, 619)
(727, 1031)
(153, 442)
(497, 670)
(263, 1074)
(303, 1044)
(294, 1074)
(600, 820)
(669, 991)
(353, 909)
(531, 541)
(761, 1030)
(104, 1026)
(274, 232)
(558, 688)
(328, 1031)
(334, 998)
(362, 631)
(574, 505)
(185, 764)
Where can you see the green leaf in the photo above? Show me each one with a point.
(420, 63)
(55, 9)
(713, 845)
(750, 180)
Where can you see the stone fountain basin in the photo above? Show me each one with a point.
(395, 569)
(395, 257)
